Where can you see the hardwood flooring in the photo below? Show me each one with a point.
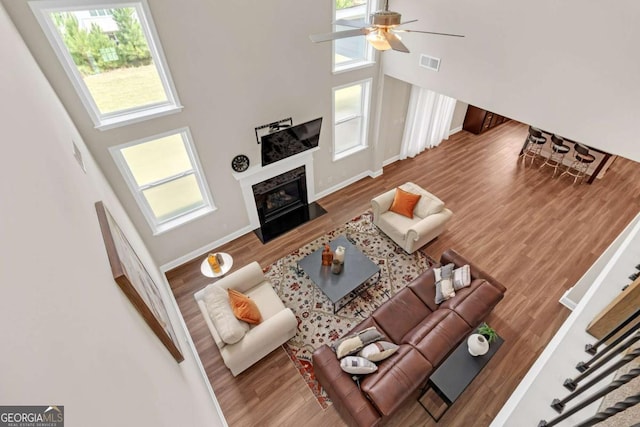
(535, 234)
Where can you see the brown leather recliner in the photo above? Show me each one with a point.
(426, 334)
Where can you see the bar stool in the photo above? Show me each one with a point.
(581, 162)
(558, 151)
(533, 145)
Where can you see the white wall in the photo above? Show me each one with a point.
(69, 335)
(236, 66)
(537, 62)
(568, 67)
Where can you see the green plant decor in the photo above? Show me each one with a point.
(488, 332)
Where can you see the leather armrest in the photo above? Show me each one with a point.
(450, 255)
(351, 403)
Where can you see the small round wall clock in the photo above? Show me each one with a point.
(240, 163)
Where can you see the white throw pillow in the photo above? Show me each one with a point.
(230, 329)
(461, 277)
(357, 365)
(378, 351)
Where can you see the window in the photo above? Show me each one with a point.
(350, 118)
(351, 52)
(163, 173)
(112, 56)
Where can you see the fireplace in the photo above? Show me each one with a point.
(282, 203)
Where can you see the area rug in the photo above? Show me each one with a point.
(317, 324)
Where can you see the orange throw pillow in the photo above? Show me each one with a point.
(404, 202)
(244, 308)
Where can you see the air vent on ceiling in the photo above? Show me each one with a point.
(429, 62)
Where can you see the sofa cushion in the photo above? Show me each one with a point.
(404, 202)
(424, 287)
(400, 314)
(397, 378)
(438, 335)
(428, 203)
(474, 302)
(395, 226)
(230, 329)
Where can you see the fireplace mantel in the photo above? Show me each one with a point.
(258, 173)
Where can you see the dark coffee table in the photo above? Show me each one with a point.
(356, 271)
(457, 371)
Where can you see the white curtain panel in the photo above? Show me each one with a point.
(428, 121)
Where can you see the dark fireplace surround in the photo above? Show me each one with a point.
(282, 204)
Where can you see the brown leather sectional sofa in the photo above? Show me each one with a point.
(426, 334)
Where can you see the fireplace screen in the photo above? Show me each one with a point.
(280, 195)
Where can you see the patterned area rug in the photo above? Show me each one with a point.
(317, 324)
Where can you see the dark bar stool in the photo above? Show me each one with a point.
(558, 151)
(582, 160)
(533, 145)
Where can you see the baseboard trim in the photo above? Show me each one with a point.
(568, 302)
(455, 130)
(391, 160)
(204, 249)
(333, 189)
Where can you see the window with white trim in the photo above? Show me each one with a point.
(111, 53)
(165, 177)
(351, 52)
(350, 118)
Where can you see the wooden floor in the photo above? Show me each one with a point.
(535, 234)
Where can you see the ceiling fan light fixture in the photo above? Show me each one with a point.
(378, 40)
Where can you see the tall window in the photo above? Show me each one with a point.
(165, 177)
(350, 118)
(112, 56)
(351, 52)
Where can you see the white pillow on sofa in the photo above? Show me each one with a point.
(357, 365)
(230, 329)
(461, 277)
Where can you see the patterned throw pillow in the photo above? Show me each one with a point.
(461, 277)
(444, 286)
(378, 351)
(357, 365)
(353, 343)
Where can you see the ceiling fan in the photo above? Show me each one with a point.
(380, 31)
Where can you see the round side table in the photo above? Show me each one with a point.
(205, 268)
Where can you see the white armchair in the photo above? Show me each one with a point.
(278, 323)
(429, 218)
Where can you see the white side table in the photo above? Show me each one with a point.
(205, 268)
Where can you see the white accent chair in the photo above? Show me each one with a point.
(429, 218)
(278, 323)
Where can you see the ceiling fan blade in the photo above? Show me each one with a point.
(395, 43)
(316, 38)
(356, 23)
(428, 32)
(408, 22)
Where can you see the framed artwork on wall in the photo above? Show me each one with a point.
(135, 281)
